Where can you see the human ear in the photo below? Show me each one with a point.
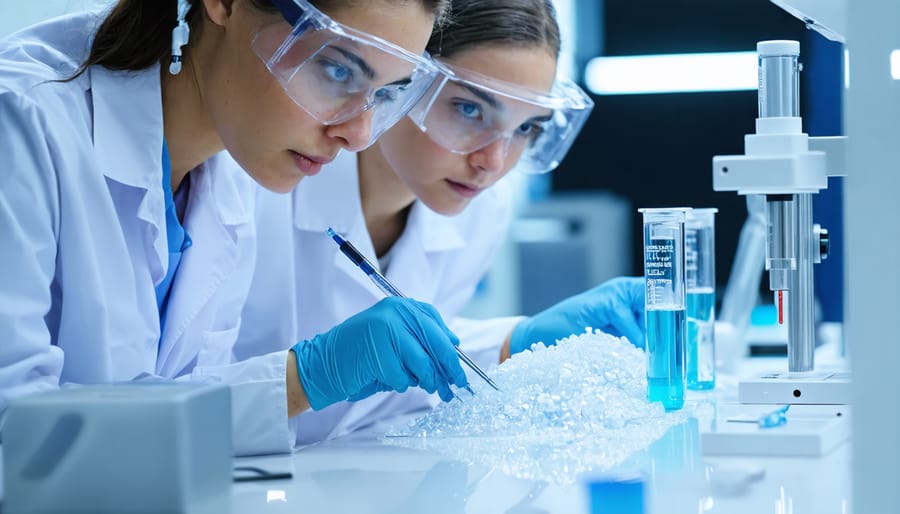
(218, 11)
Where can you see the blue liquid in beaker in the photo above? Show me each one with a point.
(665, 357)
(700, 351)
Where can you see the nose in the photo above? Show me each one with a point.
(492, 157)
(355, 133)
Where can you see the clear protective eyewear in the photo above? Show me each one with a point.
(464, 111)
(335, 73)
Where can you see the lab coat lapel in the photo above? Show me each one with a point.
(128, 132)
(331, 199)
(412, 263)
(217, 207)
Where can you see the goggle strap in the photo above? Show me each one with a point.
(290, 10)
(296, 33)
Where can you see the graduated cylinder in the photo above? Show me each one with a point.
(700, 290)
(666, 321)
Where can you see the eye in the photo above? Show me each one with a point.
(468, 110)
(385, 95)
(530, 130)
(525, 129)
(337, 72)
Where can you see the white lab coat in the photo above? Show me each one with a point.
(83, 240)
(305, 286)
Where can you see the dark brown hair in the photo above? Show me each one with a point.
(137, 34)
(470, 23)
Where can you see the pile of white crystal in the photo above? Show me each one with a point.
(576, 406)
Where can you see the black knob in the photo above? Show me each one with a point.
(824, 243)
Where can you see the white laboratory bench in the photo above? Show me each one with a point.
(360, 474)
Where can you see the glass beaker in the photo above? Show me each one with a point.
(665, 304)
(700, 289)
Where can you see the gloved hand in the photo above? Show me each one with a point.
(391, 346)
(615, 307)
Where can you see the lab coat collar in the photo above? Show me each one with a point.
(231, 189)
(128, 125)
(438, 233)
(131, 103)
(128, 133)
(331, 199)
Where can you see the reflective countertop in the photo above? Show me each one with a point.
(360, 474)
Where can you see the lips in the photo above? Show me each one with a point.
(309, 165)
(464, 190)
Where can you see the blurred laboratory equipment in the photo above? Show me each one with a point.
(700, 289)
(146, 446)
(577, 239)
(779, 164)
(742, 290)
(666, 321)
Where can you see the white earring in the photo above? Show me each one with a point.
(180, 36)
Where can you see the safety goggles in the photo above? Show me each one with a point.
(464, 112)
(336, 73)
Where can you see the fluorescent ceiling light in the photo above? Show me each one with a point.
(846, 68)
(895, 64)
(672, 73)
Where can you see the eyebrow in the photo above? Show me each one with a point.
(492, 101)
(487, 97)
(541, 119)
(358, 61)
(402, 82)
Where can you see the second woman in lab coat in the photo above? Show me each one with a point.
(428, 204)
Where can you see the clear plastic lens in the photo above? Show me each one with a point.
(466, 112)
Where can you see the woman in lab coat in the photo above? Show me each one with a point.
(428, 204)
(108, 275)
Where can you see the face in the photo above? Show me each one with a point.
(446, 182)
(267, 133)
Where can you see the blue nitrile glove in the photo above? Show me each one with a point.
(391, 346)
(615, 307)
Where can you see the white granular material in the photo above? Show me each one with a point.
(577, 406)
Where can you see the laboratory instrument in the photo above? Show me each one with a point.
(780, 164)
(388, 289)
(146, 446)
(664, 275)
(871, 119)
(700, 287)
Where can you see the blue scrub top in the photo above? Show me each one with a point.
(177, 238)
